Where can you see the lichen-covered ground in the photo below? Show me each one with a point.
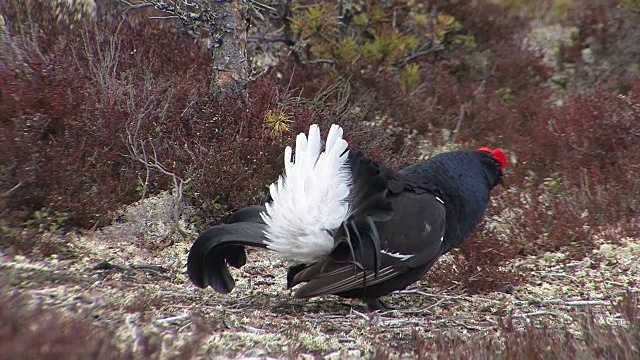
(130, 277)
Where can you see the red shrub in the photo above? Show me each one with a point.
(91, 96)
(68, 98)
(599, 149)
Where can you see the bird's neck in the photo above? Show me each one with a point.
(464, 185)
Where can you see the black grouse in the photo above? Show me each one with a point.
(350, 226)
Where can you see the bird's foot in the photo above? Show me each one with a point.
(374, 308)
(375, 304)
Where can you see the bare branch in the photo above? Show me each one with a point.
(7, 193)
(445, 296)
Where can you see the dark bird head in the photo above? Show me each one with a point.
(496, 163)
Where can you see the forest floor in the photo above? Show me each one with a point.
(113, 277)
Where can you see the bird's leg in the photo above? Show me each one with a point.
(374, 304)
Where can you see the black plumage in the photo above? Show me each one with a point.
(401, 223)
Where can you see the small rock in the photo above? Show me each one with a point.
(510, 289)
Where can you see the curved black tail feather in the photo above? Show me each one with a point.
(223, 245)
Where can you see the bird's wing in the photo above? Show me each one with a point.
(415, 233)
(410, 238)
(370, 205)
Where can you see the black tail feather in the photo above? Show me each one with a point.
(247, 214)
(369, 203)
(223, 245)
(292, 272)
(348, 242)
(373, 234)
(370, 188)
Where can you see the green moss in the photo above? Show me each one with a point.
(315, 19)
(561, 8)
(633, 5)
(377, 14)
(445, 24)
(420, 19)
(317, 343)
(553, 184)
(516, 5)
(277, 122)
(506, 94)
(246, 342)
(466, 41)
(361, 20)
(46, 220)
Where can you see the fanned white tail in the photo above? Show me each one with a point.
(310, 198)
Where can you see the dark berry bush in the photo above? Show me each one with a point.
(97, 115)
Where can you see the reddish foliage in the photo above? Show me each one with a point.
(539, 341)
(600, 153)
(32, 331)
(69, 122)
(489, 22)
(66, 115)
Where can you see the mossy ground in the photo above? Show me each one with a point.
(113, 278)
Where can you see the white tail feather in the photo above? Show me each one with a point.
(311, 197)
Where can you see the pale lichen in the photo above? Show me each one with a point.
(145, 293)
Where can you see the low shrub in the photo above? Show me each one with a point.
(537, 340)
(97, 115)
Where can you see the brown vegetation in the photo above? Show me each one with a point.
(99, 112)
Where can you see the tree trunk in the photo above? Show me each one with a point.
(223, 26)
(228, 44)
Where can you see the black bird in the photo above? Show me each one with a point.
(350, 226)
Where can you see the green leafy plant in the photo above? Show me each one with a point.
(45, 221)
(410, 77)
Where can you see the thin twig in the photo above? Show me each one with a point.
(536, 314)
(163, 17)
(152, 267)
(458, 125)
(174, 319)
(7, 193)
(445, 296)
(320, 61)
(556, 275)
(364, 316)
(576, 303)
(253, 330)
(417, 55)
(472, 327)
